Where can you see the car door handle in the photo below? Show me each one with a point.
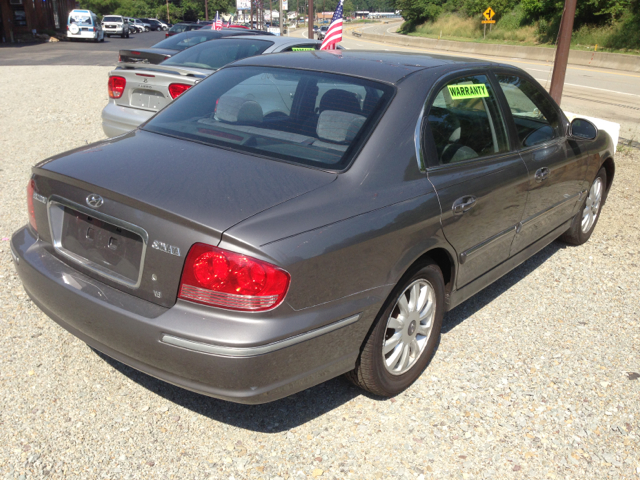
(542, 174)
(463, 204)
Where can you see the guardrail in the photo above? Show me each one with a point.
(615, 61)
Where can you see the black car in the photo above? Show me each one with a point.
(182, 27)
(301, 215)
(172, 45)
(153, 24)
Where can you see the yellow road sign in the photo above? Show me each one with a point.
(488, 13)
(488, 21)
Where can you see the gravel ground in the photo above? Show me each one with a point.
(535, 377)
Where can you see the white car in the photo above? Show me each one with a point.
(84, 24)
(115, 25)
(136, 25)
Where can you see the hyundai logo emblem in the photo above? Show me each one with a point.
(94, 200)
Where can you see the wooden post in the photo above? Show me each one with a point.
(562, 51)
(206, 9)
(168, 19)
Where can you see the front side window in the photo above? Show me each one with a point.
(303, 117)
(535, 117)
(216, 54)
(466, 122)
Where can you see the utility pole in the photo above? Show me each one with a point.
(168, 19)
(281, 31)
(562, 50)
(206, 9)
(251, 15)
(310, 21)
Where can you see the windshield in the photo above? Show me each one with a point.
(82, 19)
(216, 54)
(112, 19)
(187, 39)
(311, 118)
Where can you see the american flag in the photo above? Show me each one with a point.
(334, 34)
(218, 23)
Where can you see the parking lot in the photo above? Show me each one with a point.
(79, 52)
(535, 377)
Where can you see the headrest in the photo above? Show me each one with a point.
(238, 110)
(339, 126)
(341, 100)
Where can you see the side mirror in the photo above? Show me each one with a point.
(582, 129)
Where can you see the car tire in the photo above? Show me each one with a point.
(108, 36)
(418, 329)
(584, 223)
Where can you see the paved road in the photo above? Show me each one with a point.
(609, 94)
(77, 52)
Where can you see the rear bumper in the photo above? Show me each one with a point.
(82, 34)
(117, 120)
(143, 335)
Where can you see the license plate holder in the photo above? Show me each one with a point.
(106, 245)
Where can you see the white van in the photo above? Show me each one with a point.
(84, 24)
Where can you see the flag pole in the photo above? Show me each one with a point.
(309, 20)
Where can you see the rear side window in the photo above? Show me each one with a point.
(303, 117)
(535, 117)
(466, 122)
(218, 53)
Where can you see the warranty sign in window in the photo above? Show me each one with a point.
(459, 92)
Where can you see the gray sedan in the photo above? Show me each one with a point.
(295, 217)
(139, 90)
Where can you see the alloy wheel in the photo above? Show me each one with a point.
(592, 206)
(409, 327)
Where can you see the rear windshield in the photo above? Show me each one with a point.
(82, 19)
(218, 53)
(186, 40)
(112, 19)
(178, 28)
(310, 118)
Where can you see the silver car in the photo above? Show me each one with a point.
(138, 90)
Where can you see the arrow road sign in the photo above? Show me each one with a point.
(488, 13)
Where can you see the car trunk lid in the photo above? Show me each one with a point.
(127, 211)
(147, 55)
(147, 86)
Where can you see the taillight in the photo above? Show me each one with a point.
(177, 89)
(94, 29)
(166, 35)
(31, 190)
(217, 277)
(116, 86)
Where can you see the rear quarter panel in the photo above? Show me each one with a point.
(362, 231)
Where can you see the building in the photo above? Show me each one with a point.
(22, 17)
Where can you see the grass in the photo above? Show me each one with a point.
(611, 38)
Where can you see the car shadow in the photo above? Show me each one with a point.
(481, 299)
(298, 409)
(274, 417)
